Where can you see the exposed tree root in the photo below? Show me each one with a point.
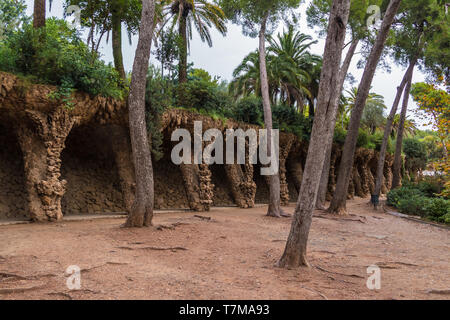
(21, 289)
(389, 264)
(316, 292)
(173, 249)
(203, 217)
(170, 226)
(361, 219)
(12, 275)
(63, 294)
(342, 274)
(438, 291)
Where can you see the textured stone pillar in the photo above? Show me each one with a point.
(121, 148)
(295, 168)
(357, 182)
(361, 161)
(285, 148)
(206, 187)
(243, 188)
(42, 139)
(388, 176)
(199, 189)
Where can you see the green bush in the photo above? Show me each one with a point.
(436, 208)
(430, 187)
(445, 218)
(376, 139)
(415, 200)
(203, 95)
(288, 119)
(56, 55)
(395, 195)
(413, 148)
(414, 205)
(339, 136)
(250, 110)
(363, 139)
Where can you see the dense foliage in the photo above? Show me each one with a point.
(422, 199)
(56, 55)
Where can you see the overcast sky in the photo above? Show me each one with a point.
(227, 52)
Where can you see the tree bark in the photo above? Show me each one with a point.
(397, 177)
(338, 203)
(141, 213)
(182, 67)
(388, 129)
(117, 44)
(274, 209)
(323, 187)
(295, 251)
(39, 14)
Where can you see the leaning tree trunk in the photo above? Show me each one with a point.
(274, 209)
(295, 251)
(117, 44)
(39, 14)
(323, 187)
(141, 213)
(396, 180)
(338, 203)
(182, 30)
(388, 129)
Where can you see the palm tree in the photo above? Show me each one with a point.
(293, 73)
(409, 128)
(291, 49)
(246, 77)
(200, 14)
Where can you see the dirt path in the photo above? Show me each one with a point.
(229, 257)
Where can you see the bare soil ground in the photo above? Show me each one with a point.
(231, 256)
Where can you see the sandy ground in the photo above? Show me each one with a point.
(231, 256)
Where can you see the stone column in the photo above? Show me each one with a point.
(388, 171)
(296, 170)
(242, 185)
(284, 153)
(199, 189)
(121, 147)
(42, 139)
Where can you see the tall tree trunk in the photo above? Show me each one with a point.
(295, 252)
(117, 44)
(388, 128)
(182, 66)
(338, 203)
(323, 187)
(397, 176)
(142, 210)
(39, 14)
(274, 209)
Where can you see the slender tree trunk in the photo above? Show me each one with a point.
(397, 176)
(323, 187)
(274, 209)
(39, 14)
(117, 44)
(295, 252)
(388, 129)
(182, 67)
(142, 210)
(338, 203)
